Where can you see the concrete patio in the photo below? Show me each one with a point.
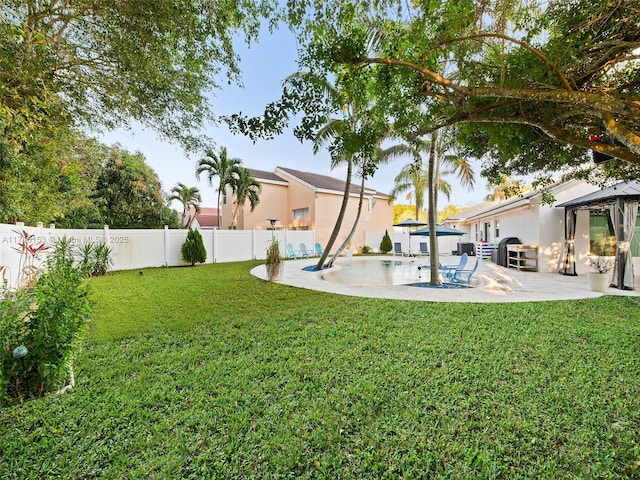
(491, 283)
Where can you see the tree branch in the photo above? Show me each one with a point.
(524, 45)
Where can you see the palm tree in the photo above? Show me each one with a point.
(246, 188)
(221, 166)
(414, 177)
(420, 178)
(504, 188)
(189, 197)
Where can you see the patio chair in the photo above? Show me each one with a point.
(424, 249)
(460, 275)
(318, 249)
(292, 253)
(304, 251)
(447, 270)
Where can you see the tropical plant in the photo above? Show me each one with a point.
(273, 261)
(386, 245)
(29, 252)
(102, 258)
(246, 188)
(94, 259)
(192, 249)
(505, 187)
(221, 166)
(42, 332)
(189, 197)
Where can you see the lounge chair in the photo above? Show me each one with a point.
(460, 275)
(292, 253)
(318, 249)
(306, 252)
(447, 270)
(424, 249)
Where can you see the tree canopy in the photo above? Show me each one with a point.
(109, 61)
(531, 86)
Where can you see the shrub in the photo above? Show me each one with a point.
(273, 262)
(102, 257)
(193, 250)
(49, 323)
(366, 249)
(94, 259)
(386, 245)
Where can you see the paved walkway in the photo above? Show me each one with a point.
(491, 283)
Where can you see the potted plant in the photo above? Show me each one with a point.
(273, 263)
(599, 277)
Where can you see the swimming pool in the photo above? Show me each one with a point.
(368, 273)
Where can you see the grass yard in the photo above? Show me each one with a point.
(208, 372)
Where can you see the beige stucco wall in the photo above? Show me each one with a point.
(273, 204)
(375, 217)
(279, 201)
(300, 196)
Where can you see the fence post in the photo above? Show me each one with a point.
(213, 245)
(253, 244)
(166, 243)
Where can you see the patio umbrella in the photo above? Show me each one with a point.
(441, 231)
(410, 222)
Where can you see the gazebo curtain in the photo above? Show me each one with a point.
(569, 248)
(623, 275)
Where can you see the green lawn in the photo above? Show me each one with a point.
(208, 372)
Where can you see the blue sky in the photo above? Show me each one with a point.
(264, 66)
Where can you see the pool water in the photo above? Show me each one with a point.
(368, 273)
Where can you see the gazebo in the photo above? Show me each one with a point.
(621, 203)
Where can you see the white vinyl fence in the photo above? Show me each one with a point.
(133, 249)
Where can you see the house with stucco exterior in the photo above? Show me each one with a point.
(533, 221)
(308, 201)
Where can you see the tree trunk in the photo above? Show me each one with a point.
(433, 210)
(338, 225)
(219, 216)
(353, 229)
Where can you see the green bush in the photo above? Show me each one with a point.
(366, 249)
(193, 250)
(49, 322)
(386, 245)
(94, 259)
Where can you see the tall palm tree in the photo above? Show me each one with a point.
(189, 197)
(423, 179)
(414, 177)
(222, 167)
(246, 188)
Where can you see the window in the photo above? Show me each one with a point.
(602, 240)
(300, 213)
(497, 229)
(224, 199)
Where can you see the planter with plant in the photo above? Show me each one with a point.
(599, 277)
(273, 261)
